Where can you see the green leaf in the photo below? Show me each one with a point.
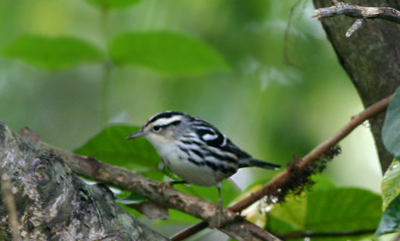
(52, 53)
(391, 127)
(390, 221)
(289, 216)
(166, 52)
(326, 211)
(391, 183)
(342, 209)
(322, 182)
(113, 4)
(110, 146)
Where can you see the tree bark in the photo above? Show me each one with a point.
(52, 203)
(371, 58)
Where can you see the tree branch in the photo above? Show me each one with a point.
(280, 182)
(359, 12)
(231, 223)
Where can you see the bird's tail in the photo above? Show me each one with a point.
(258, 163)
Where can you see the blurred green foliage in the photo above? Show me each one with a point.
(45, 52)
(390, 219)
(390, 184)
(261, 71)
(111, 146)
(333, 210)
(391, 127)
(105, 5)
(166, 52)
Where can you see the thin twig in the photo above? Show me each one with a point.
(189, 231)
(287, 36)
(307, 160)
(359, 12)
(355, 11)
(356, 25)
(326, 234)
(8, 197)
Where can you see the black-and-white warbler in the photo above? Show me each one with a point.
(195, 150)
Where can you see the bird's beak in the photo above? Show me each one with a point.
(135, 134)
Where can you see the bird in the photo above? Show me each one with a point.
(195, 150)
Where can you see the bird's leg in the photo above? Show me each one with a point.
(216, 222)
(219, 186)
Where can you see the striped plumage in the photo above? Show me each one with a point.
(195, 150)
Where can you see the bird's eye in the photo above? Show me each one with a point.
(157, 128)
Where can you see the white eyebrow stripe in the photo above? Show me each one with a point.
(166, 121)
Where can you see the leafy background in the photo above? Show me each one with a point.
(262, 71)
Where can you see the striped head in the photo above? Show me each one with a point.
(163, 127)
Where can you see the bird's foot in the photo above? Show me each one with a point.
(222, 217)
(216, 220)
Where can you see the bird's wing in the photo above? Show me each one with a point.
(213, 137)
